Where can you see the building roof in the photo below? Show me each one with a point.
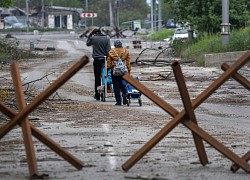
(78, 10)
(12, 11)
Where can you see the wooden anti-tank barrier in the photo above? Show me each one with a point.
(21, 118)
(187, 116)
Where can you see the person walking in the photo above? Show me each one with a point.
(118, 85)
(100, 48)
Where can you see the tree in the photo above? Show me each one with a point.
(133, 10)
(65, 3)
(37, 3)
(206, 15)
(128, 10)
(167, 12)
(5, 3)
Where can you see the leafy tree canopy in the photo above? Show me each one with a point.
(206, 15)
(128, 10)
(5, 3)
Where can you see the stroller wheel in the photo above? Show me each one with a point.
(103, 97)
(128, 102)
(140, 102)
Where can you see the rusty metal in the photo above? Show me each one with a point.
(178, 117)
(189, 111)
(218, 146)
(45, 139)
(246, 157)
(243, 81)
(170, 53)
(42, 96)
(22, 119)
(136, 60)
(223, 78)
(27, 137)
(209, 139)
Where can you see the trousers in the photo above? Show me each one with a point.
(118, 87)
(98, 64)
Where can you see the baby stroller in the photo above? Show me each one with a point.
(133, 93)
(107, 86)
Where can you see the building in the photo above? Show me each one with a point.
(61, 17)
(12, 18)
(50, 17)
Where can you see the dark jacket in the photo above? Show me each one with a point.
(100, 43)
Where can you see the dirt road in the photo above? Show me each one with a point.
(104, 136)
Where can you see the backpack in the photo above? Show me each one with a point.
(120, 67)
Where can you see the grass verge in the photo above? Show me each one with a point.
(206, 44)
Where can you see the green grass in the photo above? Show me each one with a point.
(195, 49)
(160, 35)
(206, 43)
(31, 30)
(10, 51)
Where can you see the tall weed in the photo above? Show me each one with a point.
(207, 44)
(160, 35)
(9, 51)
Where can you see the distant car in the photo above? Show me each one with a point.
(171, 24)
(182, 34)
(82, 25)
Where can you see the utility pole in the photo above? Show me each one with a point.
(42, 22)
(152, 15)
(86, 9)
(27, 15)
(117, 12)
(111, 14)
(159, 15)
(225, 25)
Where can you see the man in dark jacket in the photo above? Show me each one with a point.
(101, 47)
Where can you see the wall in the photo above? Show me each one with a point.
(215, 60)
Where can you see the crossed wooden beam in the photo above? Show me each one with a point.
(187, 116)
(21, 117)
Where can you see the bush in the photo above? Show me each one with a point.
(160, 35)
(9, 51)
(205, 44)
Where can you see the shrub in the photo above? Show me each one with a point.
(163, 34)
(9, 51)
(205, 44)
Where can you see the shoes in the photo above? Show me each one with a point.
(102, 97)
(118, 104)
(97, 97)
(124, 99)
